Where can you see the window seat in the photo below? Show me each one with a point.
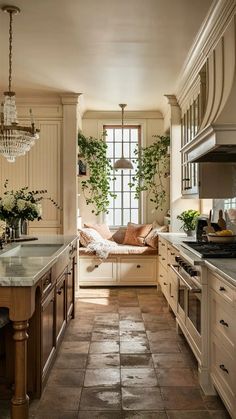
(123, 249)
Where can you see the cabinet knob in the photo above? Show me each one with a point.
(172, 254)
(138, 266)
(222, 367)
(59, 292)
(165, 283)
(161, 276)
(222, 289)
(224, 323)
(69, 273)
(95, 266)
(162, 258)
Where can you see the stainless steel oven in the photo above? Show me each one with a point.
(189, 308)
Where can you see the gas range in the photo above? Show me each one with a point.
(211, 250)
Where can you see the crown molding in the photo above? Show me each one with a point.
(70, 98)
(218, 18)
(128, 115)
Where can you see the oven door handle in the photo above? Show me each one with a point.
(194, 290)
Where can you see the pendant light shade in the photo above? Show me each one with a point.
(123, 163)
(15, 139)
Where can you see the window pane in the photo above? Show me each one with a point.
(118, 134)
(134, 135)
(110, 150)
(134, 201)
(126, 134)
(134, 216)
(126, 150)
(117, 185)
(126, 196)
(109, 136)
(118, 200)
(126, 216)
(126, 181)
(110, 217)
(117, 220)
(133, 147)
(118, 149)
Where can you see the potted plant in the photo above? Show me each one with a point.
(96, 188)
(189, 220)
(152, 168)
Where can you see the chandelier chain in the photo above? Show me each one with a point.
(10, 52)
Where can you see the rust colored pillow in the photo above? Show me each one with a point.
(136, 233)
(119, 235)
(102, 229)
(152, 238)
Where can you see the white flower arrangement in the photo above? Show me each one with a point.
(23, 204)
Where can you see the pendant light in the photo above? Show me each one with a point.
(15, 139)
(122, 163)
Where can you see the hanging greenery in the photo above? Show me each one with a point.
(152, 168)
(96, 188)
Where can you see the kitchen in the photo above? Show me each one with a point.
(199, 290)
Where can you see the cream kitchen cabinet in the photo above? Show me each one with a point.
(223, 339)
(118, 270)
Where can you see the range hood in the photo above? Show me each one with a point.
(216, 139)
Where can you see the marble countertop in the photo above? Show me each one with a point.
(224, 267)
(26, 271)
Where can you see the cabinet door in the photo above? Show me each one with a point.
(47, 321)
(70, 295)
(60, 305)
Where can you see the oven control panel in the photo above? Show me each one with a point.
(186, 266)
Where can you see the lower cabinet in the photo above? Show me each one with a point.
(61, 317)
(118, 270)
(47, 335)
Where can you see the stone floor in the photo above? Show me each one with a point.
(121, 358)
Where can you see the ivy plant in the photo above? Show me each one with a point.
(96, 188)
(152, 168)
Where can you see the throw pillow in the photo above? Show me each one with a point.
(152, 238)
(89, 235)
(136, 233)
(102, 229)
(119, 235)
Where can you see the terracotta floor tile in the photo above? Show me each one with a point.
(182, 398)
(137, 317)
(140, 398)
(103, 398)
(141, 377)
(66, 377)
(100, 415)
(58, 398)
(212, 402)
(77, 336)
(172, 360)
(156, 326)
(163, 334)
(99, 336)
(219, 414)
(102, 377)
(144, 415)
(71, 360)
(75, 347)
(129, 310)
(164, 346)
(134, 347)
(133, 335)
(103, 360)
(126, 325)
(48, 413)
(188, 414)
(176, 377)
(136, 361)
(105, 347)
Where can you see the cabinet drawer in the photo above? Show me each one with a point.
(46, 282)
(223, 372)
(221, 287)
(162, 249)
(163, 279)
(171, 254)
(223, 320)
(92, 269)
(136, 270)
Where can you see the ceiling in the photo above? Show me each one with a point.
(112, 51)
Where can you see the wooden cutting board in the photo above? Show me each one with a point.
(209, 228)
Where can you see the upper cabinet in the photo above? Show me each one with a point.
(207, 99)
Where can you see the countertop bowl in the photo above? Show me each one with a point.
(214, 238)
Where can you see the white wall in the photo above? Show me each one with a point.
(152, 124)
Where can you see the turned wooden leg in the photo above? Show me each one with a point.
(20, 400)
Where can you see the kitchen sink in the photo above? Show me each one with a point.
(32, 250)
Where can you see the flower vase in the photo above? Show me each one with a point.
(15, 227)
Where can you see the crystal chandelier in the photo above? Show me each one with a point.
(15, 139)
(122, 163)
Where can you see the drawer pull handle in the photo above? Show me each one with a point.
(162, 258)
(165, 283)
(168, 264)
(59, 291)
(95, 266)
(222, 289)
(138, 266)
(47, 282)
(162, 244)
(69, 273)
(224, 323)
(172, 254)
(222, 367)
(161, 276)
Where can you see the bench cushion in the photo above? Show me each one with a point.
(122, 249)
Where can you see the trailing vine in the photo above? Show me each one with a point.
(152, 168)
(96, 188)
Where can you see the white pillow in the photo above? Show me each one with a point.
(89, 235)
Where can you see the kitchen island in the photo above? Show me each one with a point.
(37, 283)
